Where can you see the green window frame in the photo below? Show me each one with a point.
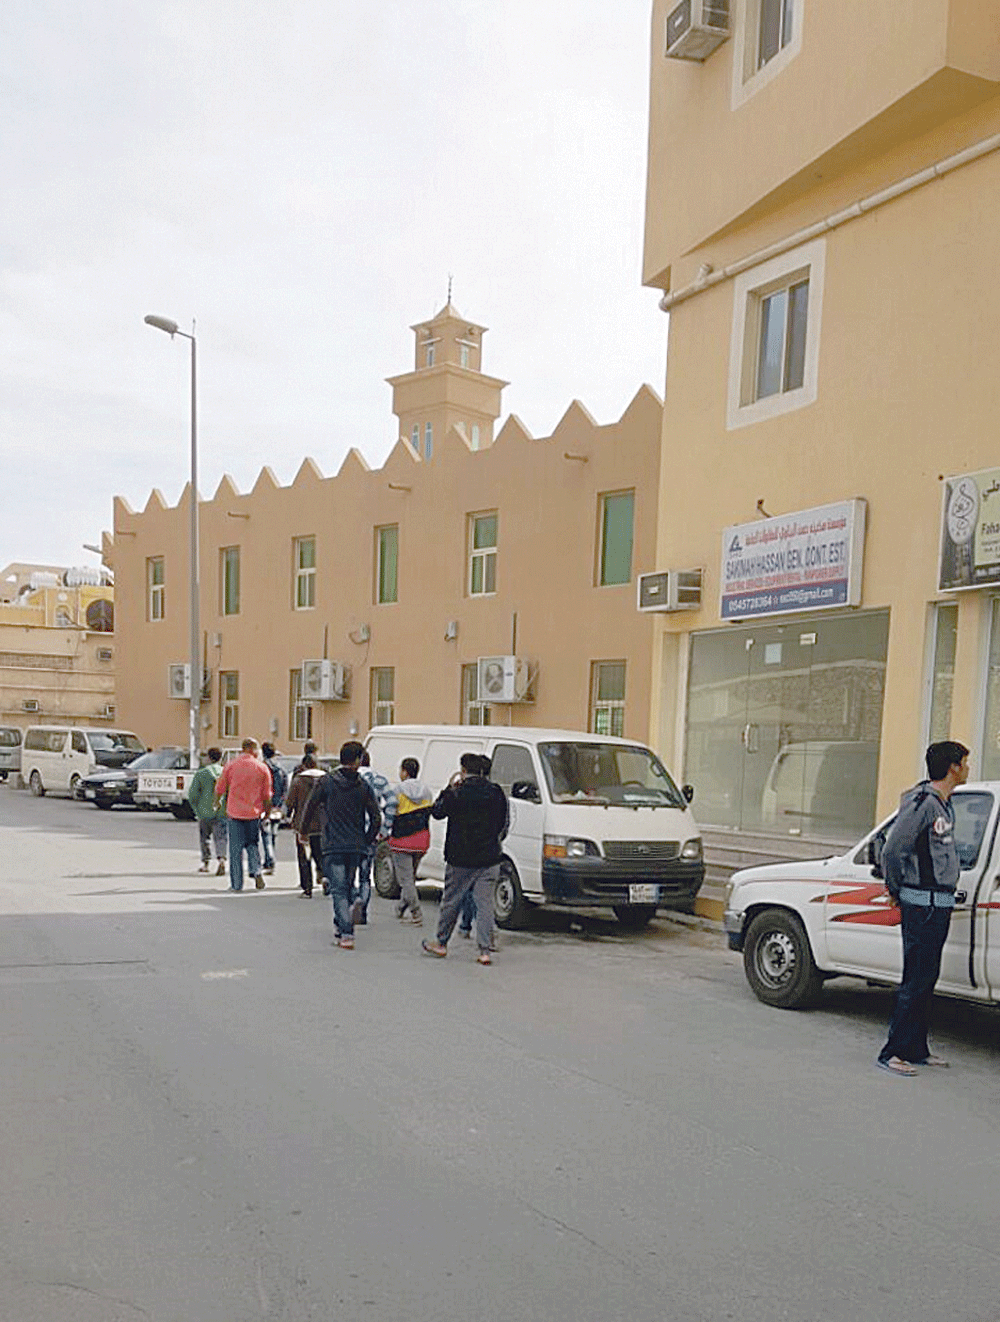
(387, 564)
(229, 579)
(617, 533)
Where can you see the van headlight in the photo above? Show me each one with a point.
(562, 846)
(692, 851)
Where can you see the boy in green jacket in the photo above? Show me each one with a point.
(212, 825)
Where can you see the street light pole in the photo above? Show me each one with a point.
(194, 581)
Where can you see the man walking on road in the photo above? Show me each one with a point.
(351, 821)
(921, 867)
(478, 817)
(211, 820)
(410, 838)
(304, 816)
(269, 824)
(246, 785)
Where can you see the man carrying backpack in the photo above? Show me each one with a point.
(921, 867)
(269, 826)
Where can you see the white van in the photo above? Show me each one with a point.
(57, 757)
(10, 751)
(595, 822)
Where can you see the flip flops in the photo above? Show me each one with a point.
(432, 948)
(894, 1065)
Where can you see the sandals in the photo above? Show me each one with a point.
(896, 1066)
(936, 1061)
(484, 957)
(432, 948)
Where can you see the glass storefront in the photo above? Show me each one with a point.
(991, 725)
(783, 724)
(945, 638)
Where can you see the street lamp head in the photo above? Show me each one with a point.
(162, 323)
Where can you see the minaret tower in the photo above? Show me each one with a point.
(447, 387)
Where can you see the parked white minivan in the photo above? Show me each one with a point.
(595, 821)
(57, 757)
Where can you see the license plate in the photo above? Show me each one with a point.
(643, 894)
(89, 794)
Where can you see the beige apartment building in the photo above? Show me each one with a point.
(57, 646)
(823, 188)
(338, 603)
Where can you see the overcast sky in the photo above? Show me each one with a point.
(301, 176)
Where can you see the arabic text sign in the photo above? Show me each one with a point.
(810, 560)
(970, 531)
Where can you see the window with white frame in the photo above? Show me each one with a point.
(155, 588)
(483, 554)
(474, 712)
(774, 353)
(768, 35)
(429, 355)
(463, 355)
(229, 580)
(415, 436)
(607, 698)
(475, 436)
(229, 703)
(428, 440)
(300, 713)
(383, 695)
(387, 564)
(305, 573)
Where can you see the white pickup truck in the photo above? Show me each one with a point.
(798, 924)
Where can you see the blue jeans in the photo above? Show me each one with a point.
(467, 912)
(363, 885)
(924, 934)
(268, 830)
(243, 834)
(339, 870)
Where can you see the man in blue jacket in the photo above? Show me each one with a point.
(351, 821)
(921, 867)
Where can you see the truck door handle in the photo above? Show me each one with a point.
(961, 897)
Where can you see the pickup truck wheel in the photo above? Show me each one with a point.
(103, 803)
(35, 785)
(634, 917)
(183, 812)
(510, 909)
(778, 961)
(384, 874)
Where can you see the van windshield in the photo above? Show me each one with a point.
(107, 741)
(616, 775)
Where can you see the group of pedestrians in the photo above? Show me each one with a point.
(341, 817)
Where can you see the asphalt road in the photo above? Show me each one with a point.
(209, 1114)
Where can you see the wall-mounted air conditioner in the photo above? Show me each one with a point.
(503, 679)
(31, 704)
(696, 28)
(324, 681)
(671, 590)
(179, 681)
(108, 711)
(105, 654)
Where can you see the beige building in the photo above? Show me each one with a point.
(57, 649)
(822, 200)
(393, 583)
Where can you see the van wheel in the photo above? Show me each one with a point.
(183, 812)
(634, 917)
(510, 909)
(384, 874)
(778, 961)
(74, 785)
(35, 785)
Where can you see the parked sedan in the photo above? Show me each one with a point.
(106, 787)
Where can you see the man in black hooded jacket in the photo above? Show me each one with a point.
(478, 817)
(351, 821)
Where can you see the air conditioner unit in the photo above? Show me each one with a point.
(105, 654)
(503, 679)
(108, 710)
(696, 28)
(671, 590)
(179, 681)
(31, 704)
(324, 681)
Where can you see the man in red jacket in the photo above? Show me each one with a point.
(246, 784)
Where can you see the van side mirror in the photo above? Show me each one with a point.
(526, 790)
(688, 792)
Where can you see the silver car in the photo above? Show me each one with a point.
(10, 751)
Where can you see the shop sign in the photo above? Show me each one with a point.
(970, 531)
(811, 560)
